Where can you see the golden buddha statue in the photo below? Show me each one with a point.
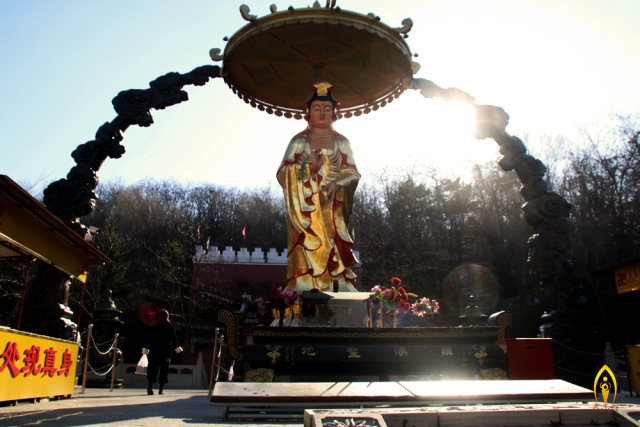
(318, 175)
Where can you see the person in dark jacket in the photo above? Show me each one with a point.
(162, 341)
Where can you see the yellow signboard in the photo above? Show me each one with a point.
(628, 278)
(34, 366)
(634, 362)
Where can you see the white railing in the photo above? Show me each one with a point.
(187, 376)
(243, 256)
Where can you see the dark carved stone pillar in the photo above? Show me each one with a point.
(46, 305)
(570, 324)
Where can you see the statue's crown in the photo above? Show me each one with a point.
(322, 89)
(322, 92)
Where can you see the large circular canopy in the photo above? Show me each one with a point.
(273, 62)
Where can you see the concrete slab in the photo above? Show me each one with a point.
(403, 393)
(461, 392)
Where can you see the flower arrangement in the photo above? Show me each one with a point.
(253, 305)
(395, 298)
(425, 306)
(280, 299)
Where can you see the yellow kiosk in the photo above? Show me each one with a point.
(35, 366)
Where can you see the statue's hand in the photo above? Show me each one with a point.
(330, 194)
(316, 161)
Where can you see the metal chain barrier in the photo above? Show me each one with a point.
(113, 347)
(95, 346)
(101, 374)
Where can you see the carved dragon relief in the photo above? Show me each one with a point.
(547, 212)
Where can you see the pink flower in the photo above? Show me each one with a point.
(376, 289)
(261, 307)
(290, 298)
(417, 309)
(425, 306)
(435, 306)
(388, 294)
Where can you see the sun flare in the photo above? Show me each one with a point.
(442, 133)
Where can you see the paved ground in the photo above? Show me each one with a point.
(128, 407)
(133, 407)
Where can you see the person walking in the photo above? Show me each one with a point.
(162, 340)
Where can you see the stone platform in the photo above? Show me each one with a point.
(242, 399)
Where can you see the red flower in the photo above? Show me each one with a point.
(273, 289)
(403, 294)
(403, 307)
(396, 282)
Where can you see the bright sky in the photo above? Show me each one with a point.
(550, 64)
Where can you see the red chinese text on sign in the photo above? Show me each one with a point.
(31, 357)
(66, 363)
(11, 355)
(49, 362)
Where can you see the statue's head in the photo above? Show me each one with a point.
(321, 108)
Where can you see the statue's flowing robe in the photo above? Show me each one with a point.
(319, 244)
